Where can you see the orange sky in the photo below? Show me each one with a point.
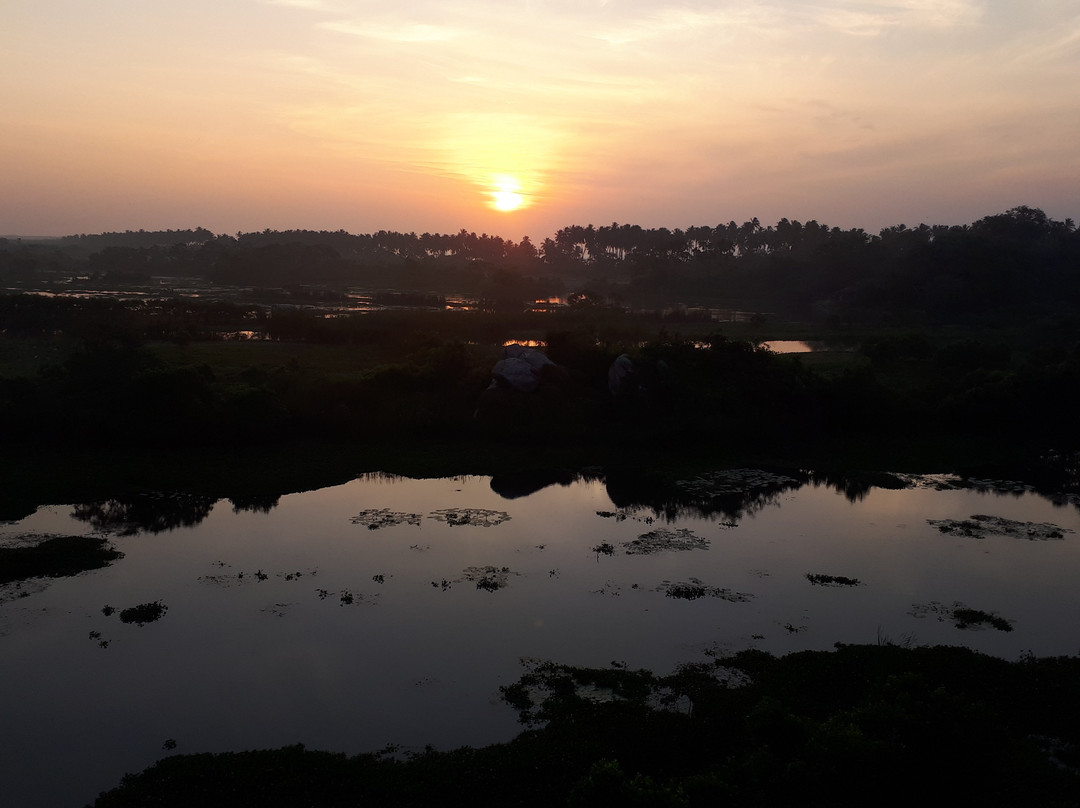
(327, 114)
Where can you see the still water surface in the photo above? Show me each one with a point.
(389, 610)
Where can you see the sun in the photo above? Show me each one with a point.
(506, 193)
(507, 200)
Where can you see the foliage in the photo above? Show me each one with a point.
(812, 728)
(1005, 265)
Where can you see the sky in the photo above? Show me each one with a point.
(519, 117)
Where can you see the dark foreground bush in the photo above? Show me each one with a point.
(862, 725)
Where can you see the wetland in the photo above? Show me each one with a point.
(734, 515)
(389, 611)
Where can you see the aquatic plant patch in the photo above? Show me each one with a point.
(144, 613)
(476, 517)
(961, 616)
(375, 518)
(693, 589)
(663, 539)
(258, 576)
(489, 578)
(831, 580)
(733, 481)
(979, 526)
(623, 514)
(618, 516)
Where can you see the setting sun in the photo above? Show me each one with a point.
(506, 193)
(507, 200)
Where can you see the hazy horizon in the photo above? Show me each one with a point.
(520, 119)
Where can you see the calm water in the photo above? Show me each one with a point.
(389, 610)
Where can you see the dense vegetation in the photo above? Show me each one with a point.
(959, 341)
(76, 372)
(1017, 263)
(860, 725)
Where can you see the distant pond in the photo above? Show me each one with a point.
(389, 610)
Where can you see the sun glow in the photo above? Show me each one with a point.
(506, 193)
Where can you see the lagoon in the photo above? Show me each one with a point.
(389, 610)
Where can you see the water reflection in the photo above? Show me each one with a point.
(730, 494)
(145, 513)
(257, 503)
(390, 610)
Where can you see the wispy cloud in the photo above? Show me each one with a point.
(673, 21)
(313, 5)
(395, 31)
(875, 17)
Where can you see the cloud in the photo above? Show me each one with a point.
(313, 5)
(672, 21)
(875, 17)
(395, 31)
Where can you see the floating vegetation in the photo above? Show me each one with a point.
(222, 580)
(951, 482)
(726, 482)
(278, 609)
(831, 580)
(347, 597)
(258, 576)
(662, 539)
(961, 616)
(491, 579)
(604, 548)
(610, 588)
(976, 618)
(476, 517)
(694, 589)
(623, 514)
(143, 613)
(375, 518)
(980, 526)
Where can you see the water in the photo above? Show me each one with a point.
(296, 622)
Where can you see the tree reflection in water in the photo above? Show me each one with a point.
(145, 513)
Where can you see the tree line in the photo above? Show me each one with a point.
(1020, 262)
